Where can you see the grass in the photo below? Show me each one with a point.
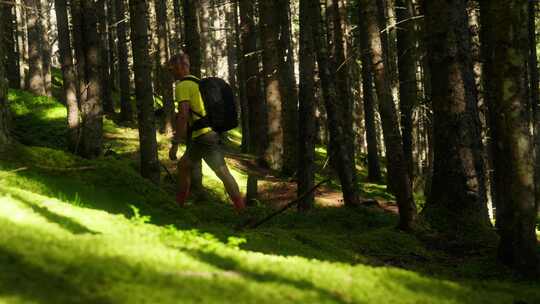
(105, 235)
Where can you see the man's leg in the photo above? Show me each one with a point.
(211, 152)
(184, 180)
(231, 187)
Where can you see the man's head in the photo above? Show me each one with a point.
(179, 65)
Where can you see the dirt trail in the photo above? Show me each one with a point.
(276, 191)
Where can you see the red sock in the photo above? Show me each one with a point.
(181, 197)
(239, 203)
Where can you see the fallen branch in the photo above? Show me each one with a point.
(66, 169)
(289, 205)
(18, 170)
(168, 172)
(12, 171)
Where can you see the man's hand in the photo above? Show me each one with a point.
(173, 151)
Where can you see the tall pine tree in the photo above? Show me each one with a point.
(143, 90)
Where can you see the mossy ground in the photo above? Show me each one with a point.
(94, 231)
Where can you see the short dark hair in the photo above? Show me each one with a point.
(179, 58)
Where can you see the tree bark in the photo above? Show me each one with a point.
(193, 48)
(408, 95)
(344, 165)
(80, 60)
(255, 104)
(46, 48)
(535, 99)
(426, 111)
(91, 105)
(289, 91)
(143, 90)
(68, 72)
(341, 70)
(4, 132)
(241, 78)
(165, 80)
(396, 162)
(126, 109)
(36, 83)
(9, 39)
(457, 202)
(270, 32)
(177, 40)
(205, 18)
(306, 99)
(111, 40)
(105, 62)
(231, 46)
(374, 169)
(509, 129)
(474, 30)
(22, 42)
(192, 35)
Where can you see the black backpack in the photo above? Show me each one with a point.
(219, 103)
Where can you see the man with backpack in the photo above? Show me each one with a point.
(196, 127)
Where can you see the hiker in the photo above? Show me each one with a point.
(202, 142)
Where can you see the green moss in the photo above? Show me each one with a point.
(103, 234)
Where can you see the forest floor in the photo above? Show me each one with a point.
(94, 231)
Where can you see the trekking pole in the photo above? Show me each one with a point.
(289, 205)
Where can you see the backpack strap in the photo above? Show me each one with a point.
(202, 121)
(191, 78)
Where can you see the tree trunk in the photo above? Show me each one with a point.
(68, 72)
(143, 90)
(22, 42)
(306, 99)
(386, 17)
(91, 105)
(4, 132)
(374, 169)
(426, 110)
(126, 109)
(535, 99)
(341, 71)
(80, 60)
(255, 104)
(36, 83)
(231, 47)
(46, 51)
(165, 80)
(207, 68)
(105, 64)
(457, 201)
(289, 93)
(111, 40)
(512, 141)
(192, 35)
(241, 79)
(177, 40)
(10, 44)
(396, 162)
(408, 95)
(270, 32)
(473, 13)
(344, 165)
(193, 47)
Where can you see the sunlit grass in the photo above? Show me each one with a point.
(114, 258)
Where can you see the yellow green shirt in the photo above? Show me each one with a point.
(188, 91)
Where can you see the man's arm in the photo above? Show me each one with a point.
(182, 121)
(181, 128)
